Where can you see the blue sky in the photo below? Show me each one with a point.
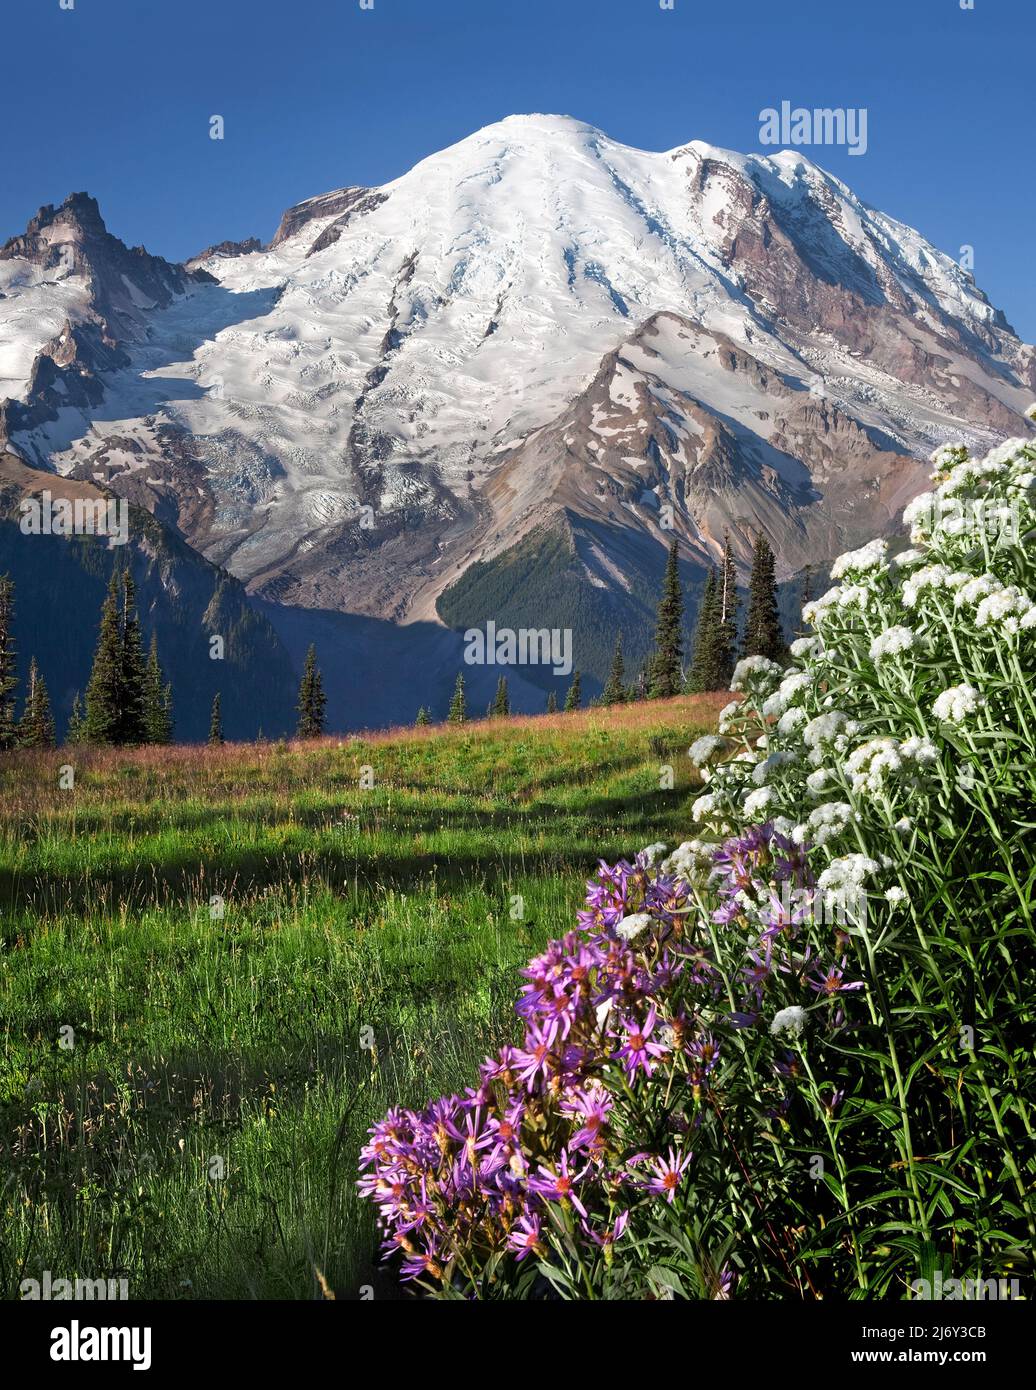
(115, 96)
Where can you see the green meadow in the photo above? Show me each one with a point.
(219, 966)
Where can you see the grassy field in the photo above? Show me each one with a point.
(220, 965)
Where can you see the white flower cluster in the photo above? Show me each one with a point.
(753, 671)
(892, 642)
(709, 746)
(692, 861)
(955, 704)
(653, 853)
(857, 744)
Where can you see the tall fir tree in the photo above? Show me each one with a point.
(764, 635)
(501, 700)
(312, 700)
(552, 703)
(665, 673)
(76, 732)
(216, 722)
(458, 713)
(8, 664)
(727, 629)
(615, 688)
(574, 695)
(158, 699)
(103, 722)
(133, 720)
(704, 673)
(36, 729)
(422, 719)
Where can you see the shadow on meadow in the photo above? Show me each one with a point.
(191, 874)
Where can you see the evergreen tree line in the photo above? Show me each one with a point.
(717, 645)
(718, 641)
(128, 699)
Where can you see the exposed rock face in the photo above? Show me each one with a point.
(338, 204)
(67, 258)
(223, 249)
(535, 333)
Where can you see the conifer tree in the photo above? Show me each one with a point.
(552, 703)
(312, 700)
(729, 603)
(574, 696)
(158, 699)
(216, 722)
(36, 729)
(764, 635)
(104, 690)
(132, 723)
(615, 689)
(458, 713)
(422, 718)
(501, 701)
(8, 668)
(665, 673)
(76, 732)
(704, 674)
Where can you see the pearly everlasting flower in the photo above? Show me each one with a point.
(791, 1020)
(923, 506)
(846, 875)
(726, 714)
(690, 861)
(633, 925)
(754, 671)
(1006, 609)
(904, 825)
(955, 704)
(756, 803)
(896, 896)
(707, 747)
(761, 771)
(892, 641)
(817, 781)
(703, 806)
(949, 454)
(920, 750)
(791, 720)
(651, 854)
(1030, 413)
(828, 821)
(870, 763)
(869, 557)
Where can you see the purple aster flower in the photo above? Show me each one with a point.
(638, 1049)
(667, 1173)
(525, 1238)
(535, 1059)
(559, 1186)
(833, 981)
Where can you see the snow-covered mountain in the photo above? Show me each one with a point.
(536, 327)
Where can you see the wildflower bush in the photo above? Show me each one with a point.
(795, 1056)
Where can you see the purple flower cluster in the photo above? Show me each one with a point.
(589, 1121)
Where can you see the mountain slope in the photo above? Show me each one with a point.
(60, 584)
(536, 328)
